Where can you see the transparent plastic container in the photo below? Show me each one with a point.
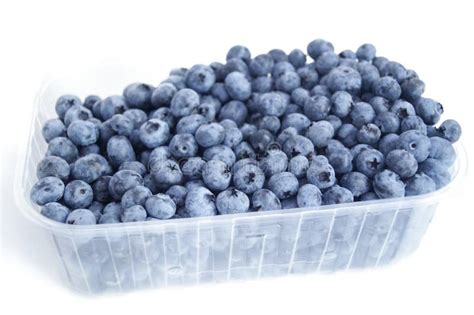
(123, 257)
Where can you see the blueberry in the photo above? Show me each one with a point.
(348, 54)
(189, 124)
(160, 206)
(319, 46)
(320, 133)
(122, 125)
(232, 201)
(262, 84)
(280, 68)
(369, 162)
(394, 70)
(184, 102)
(298, 166)
(100, 189)
(356, 182)
(286, 134)
(272, 104)
(178, 194)
(297, 58)
(358, 148)
(135, 196)
(113, 209)
(309, 196)
(47, 189)
(53, 128)
(380, 104)
(134, 214)
(206, 110)
(369, 196)
(387, 122)
(76, 113)
(369, 134)
(194, 183)
(112, 105)
(192, 167)
(387, 184)
(219, 91)
(308, 77)
(176, 80)
(341, 160)
(149, 183)
(65, 102)
(442, 150)
(138, 95)
(341, 104)
(248, 178)
(166, 174)
(335, 122)
(317, 107)
(429, 110)
(432, 131)
(200, 202)
(233, 136)
(388, 143)
(362, 113)
(96, 208)
(123, 181)
(90, 167)
(419, 184)
(415, 142)
(82, 132)
(402, 109)
(55, 211)
(90, 100)
(264, 200)
(284, 185)
(63, 148)
(299, 96)
(158, 155)
(273, 162)
(109, 219)
(234, 110)
(53, 166)
(240, 52)
(261, 65)
(366, 52)
(412, 89)
(209, 135)
(200, 78)
(133, 166)
(413, 123)
(402, 162)
(235, 65)
(288, 81)
(438, 172)
(298, 145)
(81, 217)
(289, 203)
(162, 95)
(221, 153)
(379, 62)
(336, 195)
(243, 163)
(450, 130)
(347, 134)
(237, 86)
(296, 120)
(154, 133)
(344, 78)
(387, 87)
(119, 150)
(164, 114)
(216, 175)
(183, 146)
(278, 55)
(78, 194)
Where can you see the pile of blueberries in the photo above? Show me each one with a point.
(275, 131)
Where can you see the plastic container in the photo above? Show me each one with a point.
(122, 257)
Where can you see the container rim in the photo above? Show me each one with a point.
(27, 208)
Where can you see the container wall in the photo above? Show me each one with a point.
(243, 248)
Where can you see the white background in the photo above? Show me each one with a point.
(41, 39)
